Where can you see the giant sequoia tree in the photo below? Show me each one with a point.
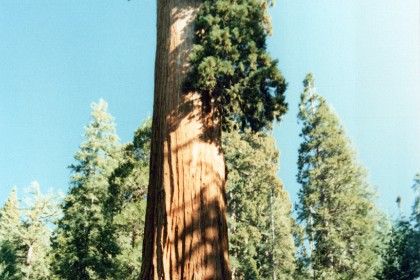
(336, 204)
(186, 231)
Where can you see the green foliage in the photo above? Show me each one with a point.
(9, 262)
(303, 269)
(336, 204)
(230, 65)
(24, 241)
(99, 235)
(79, 251)
(126, 206)
(39, 213)
(10, 239)
(260, 225)
(402, 254)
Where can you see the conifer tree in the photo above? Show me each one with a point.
(10, 242)
(78, 242)
(260, 225)
(302, 257)
(402, 254)
(25, 239)
(35, 234)
(336, 203)
(401, 257)
(127, 204)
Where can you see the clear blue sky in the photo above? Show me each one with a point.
(57, 57)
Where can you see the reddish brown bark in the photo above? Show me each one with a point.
(186, 231)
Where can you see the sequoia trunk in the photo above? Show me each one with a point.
(186, 230)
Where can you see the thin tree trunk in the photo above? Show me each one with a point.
(312, 246)
(273, 260)
(312, 239)
(186, 230)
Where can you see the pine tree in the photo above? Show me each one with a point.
(25, 239)
(78, 242)
(402, 254)
(336, 203)
(400, 258)
(126, 205)
(260, 225)
(35, 234)
(186, 229)
(302, 258)
(10, 242)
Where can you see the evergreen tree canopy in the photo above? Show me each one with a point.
(25, 239)
(231, 67)
(79, 238)
(10, 241)
(260, 225)
(10, 216)
(39, 213)
(401, 259)
(126, 205)
(336, 203)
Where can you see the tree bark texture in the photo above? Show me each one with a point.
(186, 229)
